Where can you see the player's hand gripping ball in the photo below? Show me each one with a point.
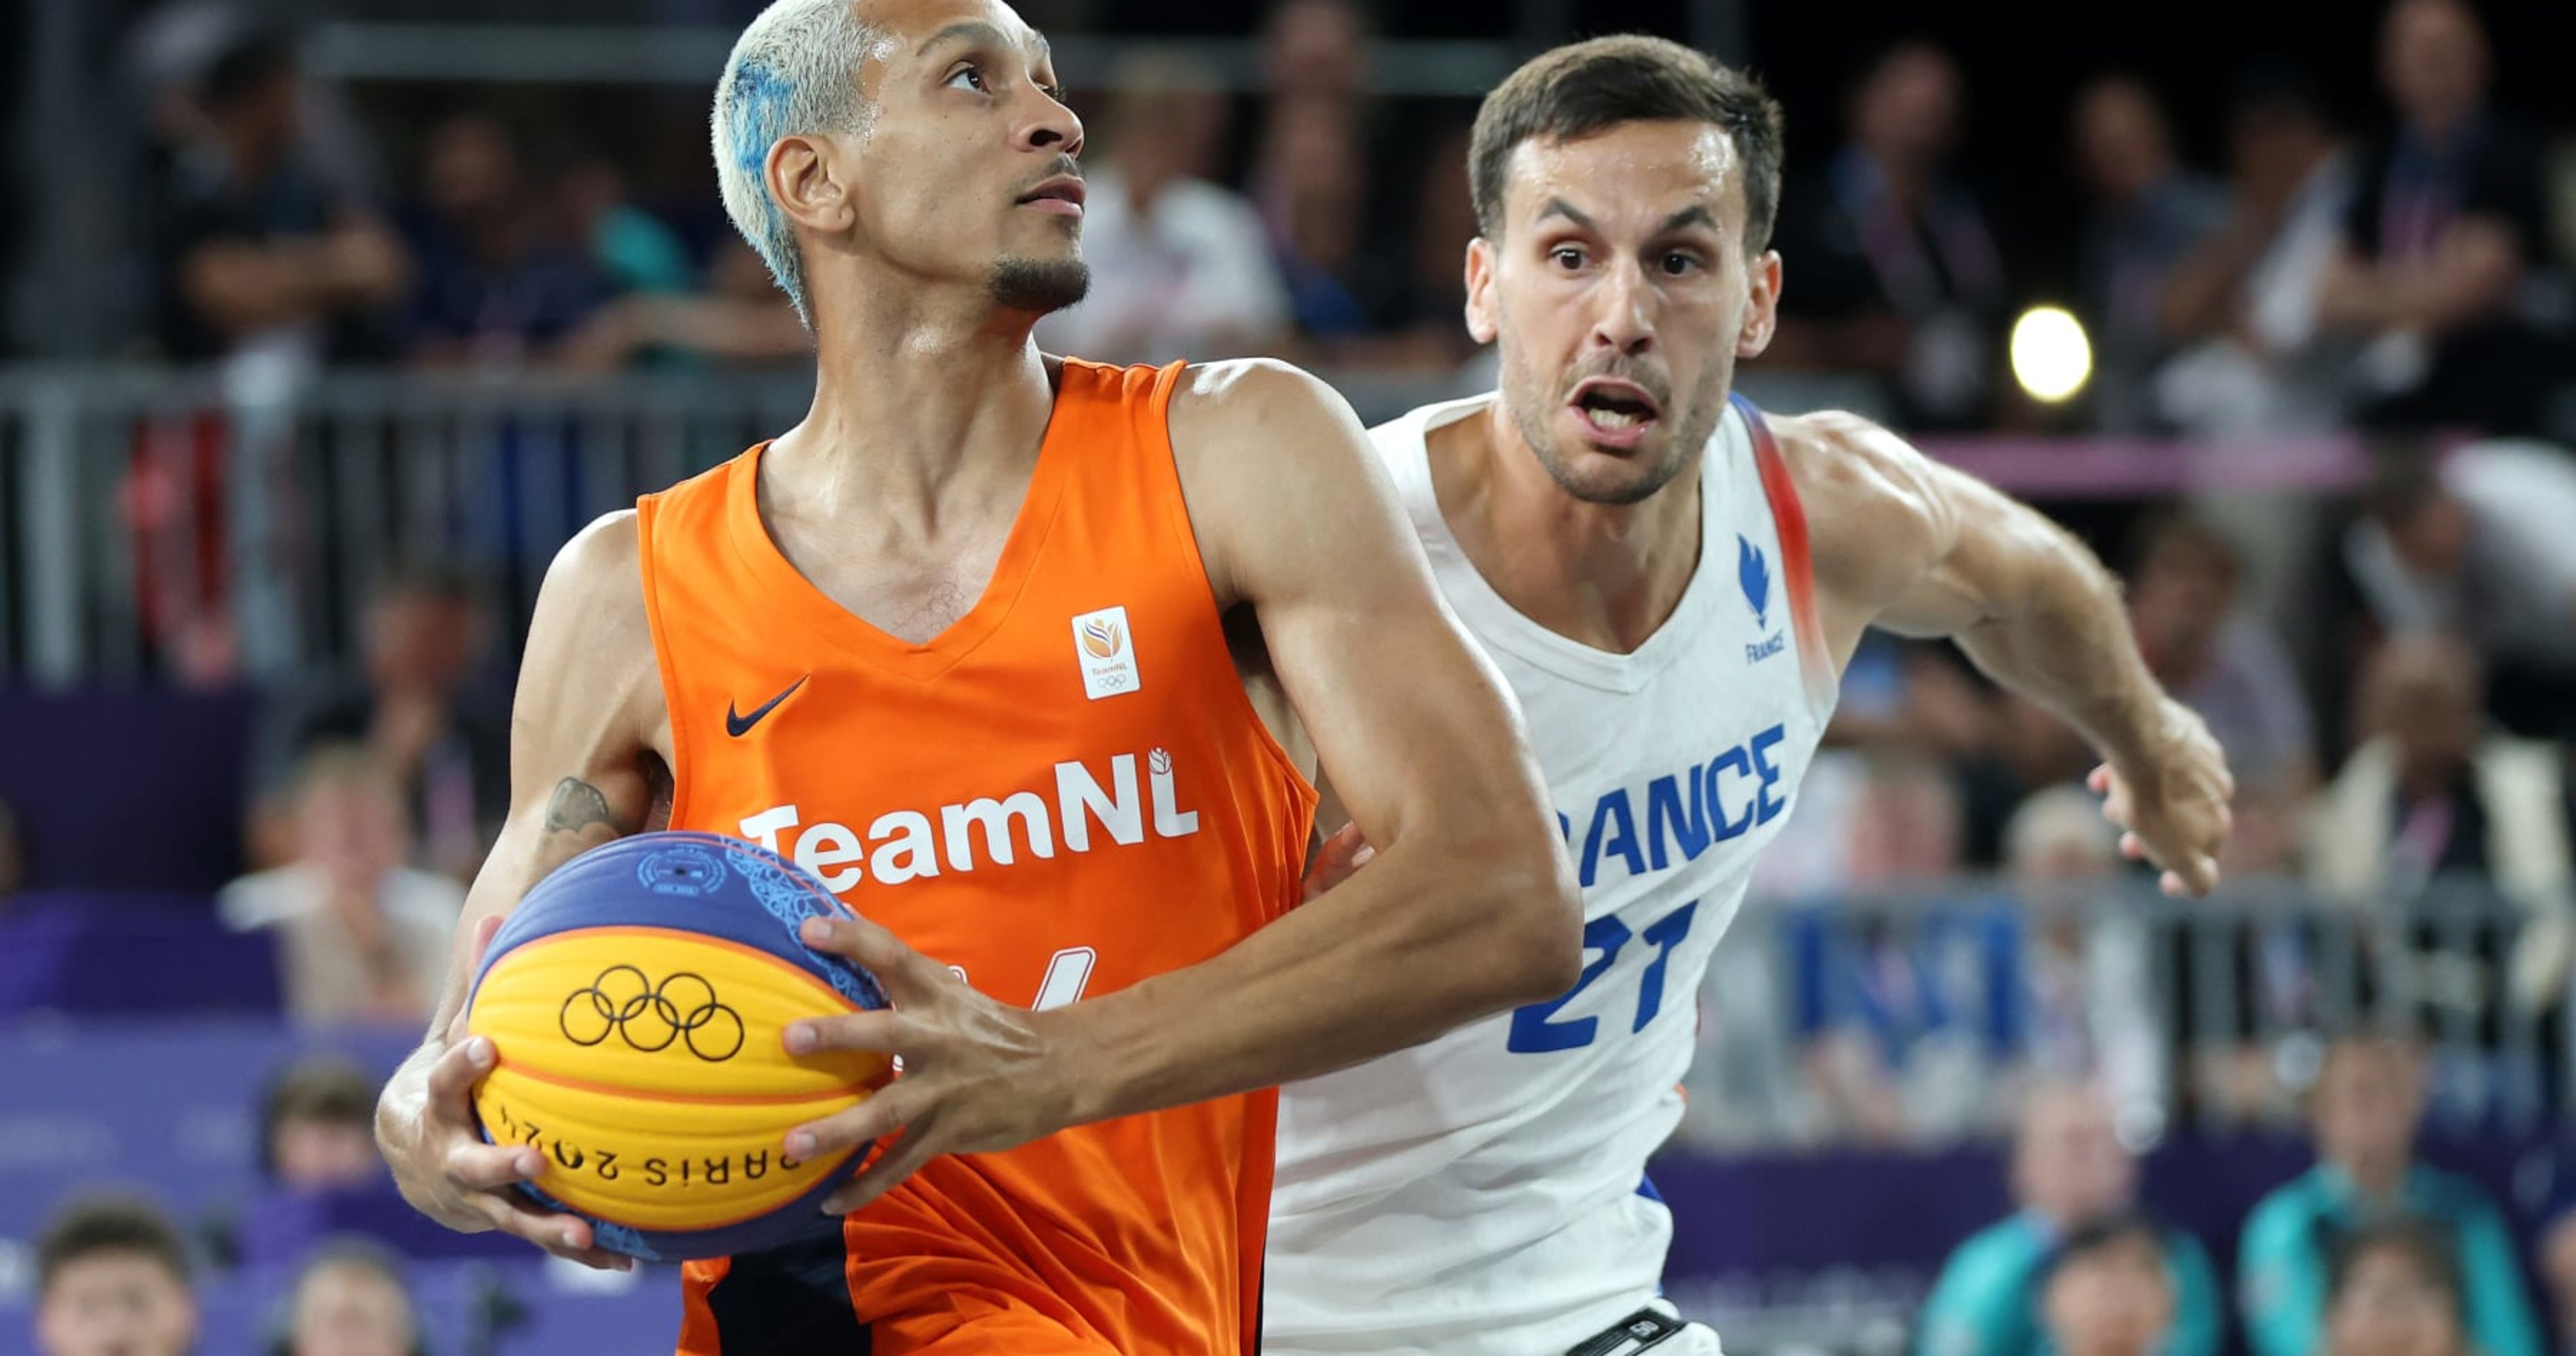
(635, 1000)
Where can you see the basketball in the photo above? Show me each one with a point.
(636, 1001)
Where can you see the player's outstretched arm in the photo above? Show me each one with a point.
(581, 773)
(1918, 548)
(1467, 906)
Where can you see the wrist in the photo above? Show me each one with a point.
(1079, 1082)
(2134, 731)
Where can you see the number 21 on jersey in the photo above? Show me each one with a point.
(1537, 1029)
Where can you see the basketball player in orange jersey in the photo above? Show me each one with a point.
(1030, 662)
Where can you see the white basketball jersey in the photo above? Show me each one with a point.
(1485, 1193)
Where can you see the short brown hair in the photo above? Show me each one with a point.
(104, 1225)
(1588, 87)
(326, 1089)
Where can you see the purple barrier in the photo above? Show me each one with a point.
(122, 953)
(136, 790)
(280, 1227)
(172, 1113)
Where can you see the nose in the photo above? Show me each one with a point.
(1053, 127)
(1623, 319)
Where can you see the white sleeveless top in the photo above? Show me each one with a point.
(1485, 1192)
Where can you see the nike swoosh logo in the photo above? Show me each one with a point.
(738, 726)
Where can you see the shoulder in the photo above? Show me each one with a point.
(2282, 1217)
(2450, 1194)
(1222, 396)
(1995, 1254)
(597, 579)
(1875, 510)
(1280, 478)
(1263, 422)
(590, 610)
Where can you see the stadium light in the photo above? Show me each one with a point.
(2051, 358)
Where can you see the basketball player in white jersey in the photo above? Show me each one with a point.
(1671, 581)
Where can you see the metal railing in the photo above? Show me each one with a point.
(2209, 1013)
(214, 524)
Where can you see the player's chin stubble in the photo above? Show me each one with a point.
(1040, 285)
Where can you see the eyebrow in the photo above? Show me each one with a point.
(1697, 215)
(976, 30)
(1559, 207)
(1688, 216)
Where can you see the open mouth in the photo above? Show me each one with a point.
(1617, 411)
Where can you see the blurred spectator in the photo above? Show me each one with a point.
(1179, 267)
(261, 254)
(112, 1279)
(742, 318)
(318, 1127)
(350, 1301)
(496, 287)
(2480, 546)
(2109, 1293)
(2443, 242)
(2431, 792)
(2246, 300)
(630, 247)
(1315, 182)
(1316, 50)
(415, 706)
(2070, 1174)
(1893, 269)
(2147, 213)
(2365, 1110)
(1905, 1021)
(2092, 1014)
(2557, 1266)
(2219, 659)
(362, 937)
(2397, 1292)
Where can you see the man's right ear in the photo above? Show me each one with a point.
(807, 181)
(1484, 317)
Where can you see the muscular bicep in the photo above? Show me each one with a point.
(585, 733)
(1402, 709)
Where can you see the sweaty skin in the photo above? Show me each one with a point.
(894, 497)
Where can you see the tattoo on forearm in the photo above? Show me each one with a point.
(576, 806)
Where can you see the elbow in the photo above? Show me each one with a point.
(1535, 932)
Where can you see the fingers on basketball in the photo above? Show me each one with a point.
(907, 976)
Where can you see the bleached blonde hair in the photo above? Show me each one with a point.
(794, 71)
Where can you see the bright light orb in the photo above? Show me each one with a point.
(2051, 358)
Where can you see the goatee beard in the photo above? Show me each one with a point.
(1040, 285)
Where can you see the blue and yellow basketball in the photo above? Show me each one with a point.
(636, 1000)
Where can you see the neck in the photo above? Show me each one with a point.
(1606, 575)
(2439, 126)
(2380, 1179)
(913, 394)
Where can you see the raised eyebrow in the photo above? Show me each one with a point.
(1697, 215)
(1559, 207)
(965, 29)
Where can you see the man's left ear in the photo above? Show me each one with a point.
(1762, 316)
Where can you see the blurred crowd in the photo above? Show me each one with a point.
(1947, 944)
(2397, 267)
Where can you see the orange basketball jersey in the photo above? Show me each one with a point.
(1065, 792)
